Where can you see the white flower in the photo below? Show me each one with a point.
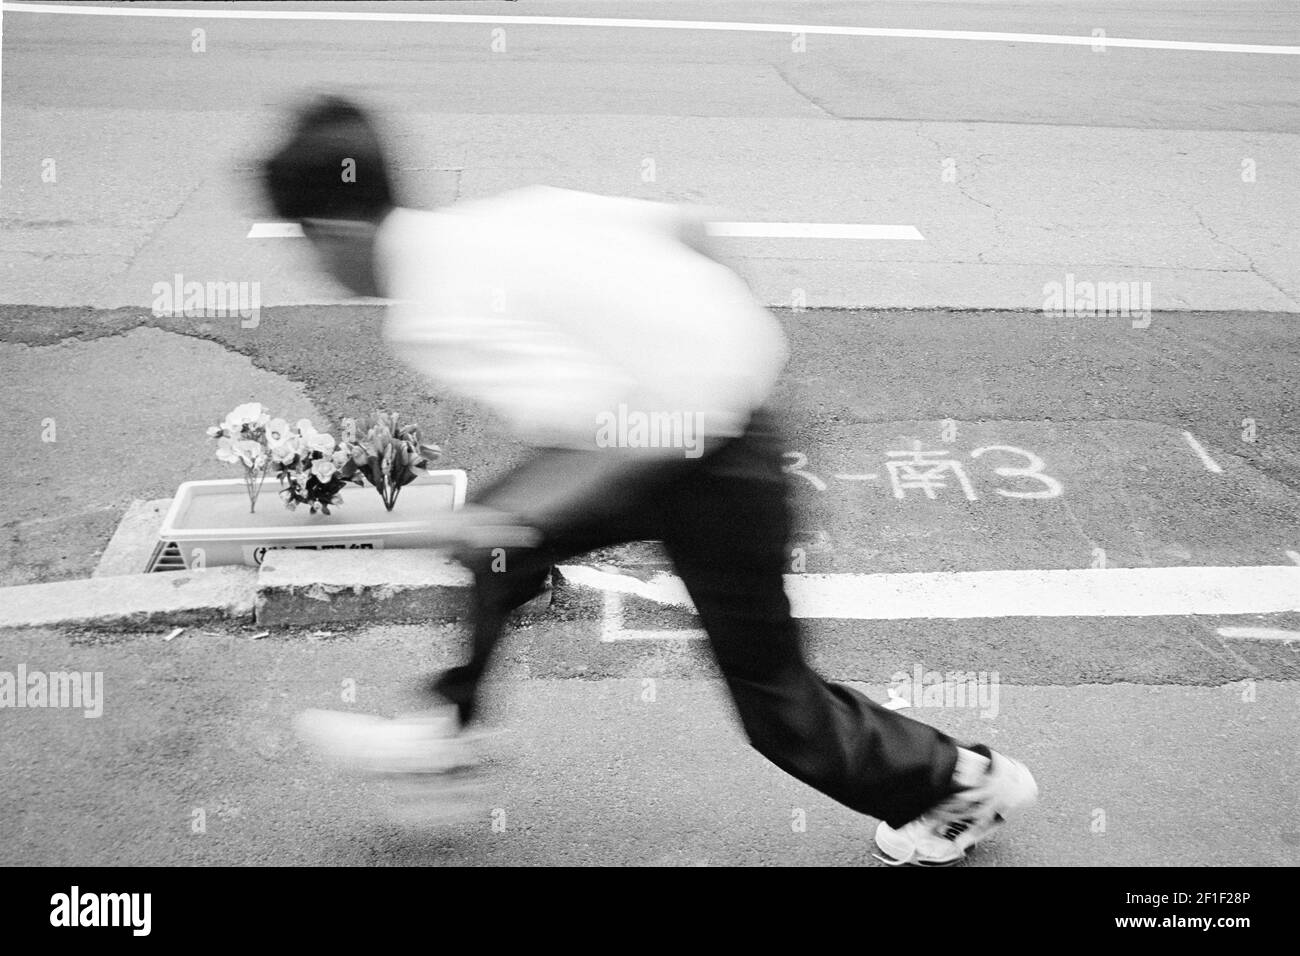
(246, 414)
(284, 453)
(214, 431)
(311, 438)
(323, 469)
(340, 457)
(226, 451)
(250, 453)
(277, 432)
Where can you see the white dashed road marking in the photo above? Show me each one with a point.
(813, 230)
(738, 230)
(1259, 633)
(275, 230)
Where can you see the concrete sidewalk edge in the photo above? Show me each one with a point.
(318, 587)
(291, 588)
(295, 588)
(133, 600)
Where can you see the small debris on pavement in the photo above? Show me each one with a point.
(173, 633)
(258, 637)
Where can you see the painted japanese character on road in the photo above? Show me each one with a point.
(926, 471)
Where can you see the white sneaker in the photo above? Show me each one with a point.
(429, 773)
(420, 743)
(942, 835)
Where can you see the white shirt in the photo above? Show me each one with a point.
(558, 309)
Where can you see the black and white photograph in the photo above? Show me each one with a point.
(652, 433)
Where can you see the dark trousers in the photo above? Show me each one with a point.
(724, 519)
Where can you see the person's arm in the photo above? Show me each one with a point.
(476, 526)
(557, 489)
(563, 488)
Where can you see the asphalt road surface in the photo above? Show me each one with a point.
(1130, 439)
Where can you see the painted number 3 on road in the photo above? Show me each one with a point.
(928, 472)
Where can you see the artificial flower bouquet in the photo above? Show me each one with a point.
(241, 440)
(312, 467)
(387, 454)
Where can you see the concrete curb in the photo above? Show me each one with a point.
(306, 587)
(318, 587)
(291, 588)
(132, 544)
(133, 600)
(311, 588)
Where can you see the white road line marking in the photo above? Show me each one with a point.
(981, 36)
(740, 230)
(275, 230)
(612, 620)
(1294, 556)
(629, 634)
(813, 230)
(1209, 463)
(1259, 633)
(1084, 592)
(856, 477)
(612, 628)
(895, 702)
(662, 588)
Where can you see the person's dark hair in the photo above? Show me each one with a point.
(309, 177)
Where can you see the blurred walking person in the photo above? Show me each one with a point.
(638, 367)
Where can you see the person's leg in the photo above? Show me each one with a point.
(728, 536)
(505, 578)
(494, 595)
(428, 756)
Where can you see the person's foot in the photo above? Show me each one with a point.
(429, 771)
(993, 788)
(429, 743)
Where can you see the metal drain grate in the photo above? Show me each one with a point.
(166, 557)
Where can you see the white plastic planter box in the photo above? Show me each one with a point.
(209, 524)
